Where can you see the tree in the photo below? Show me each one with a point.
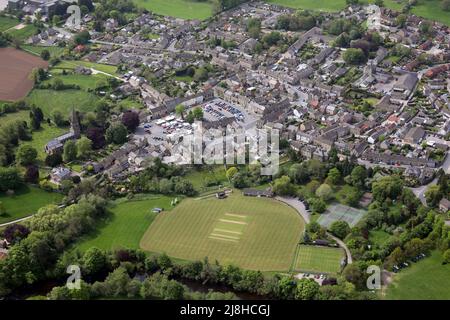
(354, 56)
(283, 186)
(58, 118)
(82, 38)
(340, 229)
(446, 256)
(179, 110)
(130, 119)
(26, 155)
(45, 55)
(307, 289)
(96, 135)
(324, 192)
(116, 133)
(84, 147)
(70, 151)
(231, 172)
(198, 113)
(53, 160)
(358, 176)
(387, 187)
(165, 186)
(318, 205)
(32, 174)
(433, 195)
(9, 179)
(401, 20)
(334, 176)
(94, 261)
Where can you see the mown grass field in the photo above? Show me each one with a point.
(7, 23)
(253, 233)
(318, 259)
(427, 279)
(184, 9)
(53, 50)
(63, 100)
(24, 33)
(112, 70)
(84, 81)
(127, 224)
(26, 201)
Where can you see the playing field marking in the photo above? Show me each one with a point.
(236, 215)
(223, 239)
(231, 221)
(224, 236)
(229, 231)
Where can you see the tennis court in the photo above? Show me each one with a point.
(340, 212)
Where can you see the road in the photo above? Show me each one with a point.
(301, 209)
(15, 221)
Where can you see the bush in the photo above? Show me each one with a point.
(340, 229)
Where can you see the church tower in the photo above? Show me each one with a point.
(75, 127)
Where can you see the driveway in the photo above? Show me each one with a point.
(301, 209)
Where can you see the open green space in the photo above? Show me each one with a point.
(126, 224)
(66, 64)
(427, 279)
(63, 100)
(379, 237)
(202, 179)
(84, 81)
(318, 259)
(253, 233)
(24, 33)
(26, 201)
(53, 50)
(7, 23)
(323, 5)
(42, 136)
(185, 9)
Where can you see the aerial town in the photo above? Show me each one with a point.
(359, 98)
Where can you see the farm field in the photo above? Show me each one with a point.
(26, 201)
(318, 259)
(7, 23)
(185, 9)
(63, 101)
(253, 233)
(128, 222)
(16, 67)
(427, 279)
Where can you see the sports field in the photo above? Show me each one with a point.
(184, 9)
(338, 212)
(126, 225)
(427, 279)
(253, 233)
(318, 259)
(16, 66)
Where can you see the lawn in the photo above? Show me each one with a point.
(127, 224)
(24, 33)
(253, 233)
(26, 201)
(184, 9)
(54, 50)
(318, 259)
(13, 116)
(200, 178)
(427, 279)
(379, 237)
(7, 23)
(64, 100)
(42, 136)
(84, 81)
(323, 5)
(112, 70)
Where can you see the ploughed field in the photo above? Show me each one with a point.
(15, 70)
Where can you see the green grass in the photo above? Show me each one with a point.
(24, 33)
(253, 233)
(13, 116)
(64, 100)
(54, 51)
(42, 136)
(84, 81)
(379, 237)
(112, 70)
(198, 178)
(185, 9)
(427, 279)
(323, 5)
(7, 23)
(127, 224)
(431, 9)
(318, 259)
(26, 201)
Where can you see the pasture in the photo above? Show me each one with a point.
(427, 279)
(126, 224)
(184, 9)
(16, 66)
(26, 201)
(318, 259)
(253, 233)
(340, 212)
